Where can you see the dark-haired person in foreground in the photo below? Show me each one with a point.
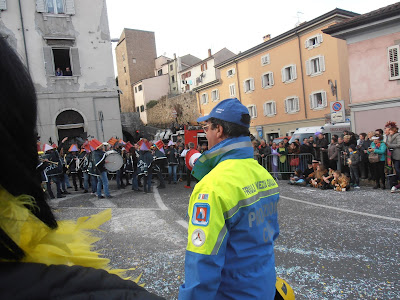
(41, 258)
(233, 220)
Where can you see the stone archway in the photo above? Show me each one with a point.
(71, 124)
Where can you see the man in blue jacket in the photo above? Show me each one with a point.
(233, 220)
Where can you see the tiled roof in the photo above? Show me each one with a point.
(376, 15)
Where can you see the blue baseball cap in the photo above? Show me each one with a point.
(229, 110)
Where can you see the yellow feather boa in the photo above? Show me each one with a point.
(70, 244)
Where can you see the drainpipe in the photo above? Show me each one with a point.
(237, 78)
(302, 76)
(23, 34)
(95, 118)
(198, 97)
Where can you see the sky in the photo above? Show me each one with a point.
(193, 27)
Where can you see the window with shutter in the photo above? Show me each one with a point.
(69, 7)
(56, 6)
(248, 85)
(313, 41)
(215, 95)
(394, 62)
(41, 6)
(315, 65)
(230, 72)
(308, 67)
(318, 100)
(269, 108)
(322, 63)
(48, 61)
(294, 71)
(3, 5)
(267, 80)
(292, 105)
(297, 104)
(76, 66)
(289, 73)
(252, 111)
(232, 90)
(312, 101)
(265, 60)
(204, 99)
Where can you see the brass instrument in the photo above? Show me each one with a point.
(49, 161)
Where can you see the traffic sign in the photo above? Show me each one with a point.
(337, 106)
(337, 111)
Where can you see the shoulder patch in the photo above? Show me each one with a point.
(201, 214)
(202, 197)
(198, 238)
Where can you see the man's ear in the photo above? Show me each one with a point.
(220, 131)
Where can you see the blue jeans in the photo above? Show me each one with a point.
(86, 181)
(172, 172)
(119, 178)
(66, 180)
(93, 182)
(147, 181)
(102, 180)
(135, 185)
(56, 180)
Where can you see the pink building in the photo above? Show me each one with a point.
(373, 41)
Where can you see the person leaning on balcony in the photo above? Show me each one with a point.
(41, 258)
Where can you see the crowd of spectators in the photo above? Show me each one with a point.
(336, 164)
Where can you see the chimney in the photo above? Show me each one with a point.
(267, 37)
(174, 56)
(209, 52)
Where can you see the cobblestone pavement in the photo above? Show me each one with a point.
(331, 246)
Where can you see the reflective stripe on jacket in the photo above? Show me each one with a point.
(233, 223)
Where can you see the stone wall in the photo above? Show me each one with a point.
(185, 105)
(132, 122)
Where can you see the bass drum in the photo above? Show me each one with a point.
(114, 161)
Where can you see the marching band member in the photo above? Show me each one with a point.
(120, 172)
(72, 164)
(128, 162)
(135, 160)
(99, 159)
(145, 164)
(160, 161)
(53, 170)
(83, 167)
(64, 176)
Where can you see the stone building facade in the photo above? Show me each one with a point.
(135, 54)
(81, 99)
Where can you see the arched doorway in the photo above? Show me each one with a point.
(71, 124)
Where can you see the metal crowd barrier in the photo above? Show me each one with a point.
(286, 164)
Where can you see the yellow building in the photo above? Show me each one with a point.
(284, 80)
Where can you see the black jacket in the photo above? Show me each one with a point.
(172, 156)
(37, 281)
(266, 150)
